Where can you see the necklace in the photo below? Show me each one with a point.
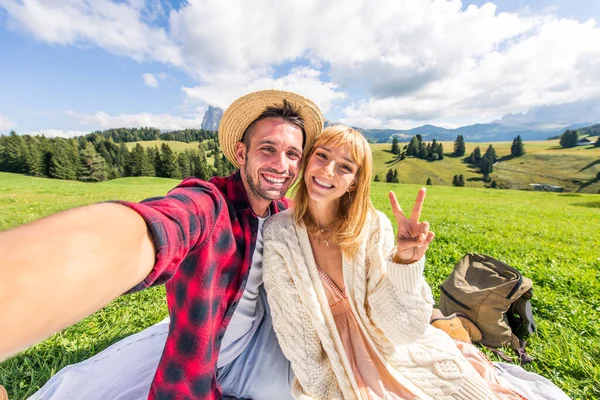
(321, 232)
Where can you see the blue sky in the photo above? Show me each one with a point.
(73, 66)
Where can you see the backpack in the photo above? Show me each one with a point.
(490, 293)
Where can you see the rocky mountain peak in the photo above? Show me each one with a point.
(211, 119)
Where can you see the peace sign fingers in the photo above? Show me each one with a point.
(396, 209)
(416, 211)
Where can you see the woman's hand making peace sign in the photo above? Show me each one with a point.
(413, 236)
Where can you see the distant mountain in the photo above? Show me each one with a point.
(492, 132)
(212, 118)
(502, 130)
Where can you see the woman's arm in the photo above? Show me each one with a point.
(399, 300)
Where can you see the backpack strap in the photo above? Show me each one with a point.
(520, 351)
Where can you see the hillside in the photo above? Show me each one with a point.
(544, 162)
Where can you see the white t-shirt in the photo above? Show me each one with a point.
(249, 311)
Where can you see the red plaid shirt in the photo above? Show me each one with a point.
(204, 234)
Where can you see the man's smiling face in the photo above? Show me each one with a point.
(270, 164)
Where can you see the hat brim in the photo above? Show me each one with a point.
(245, 110)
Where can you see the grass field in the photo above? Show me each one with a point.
(174, 145)
(552, 238)
(544, 162)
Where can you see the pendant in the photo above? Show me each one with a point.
(323, 240)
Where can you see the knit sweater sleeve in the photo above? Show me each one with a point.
(399, 300)
(295, 332)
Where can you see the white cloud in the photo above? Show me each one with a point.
(115, 27)
(102, 120)
(58, 133)
(395, 63)
(150, 80)
(302, 80)
(5, 123)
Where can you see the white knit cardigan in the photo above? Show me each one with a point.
(391, 302)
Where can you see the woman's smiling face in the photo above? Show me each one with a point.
(330, 173)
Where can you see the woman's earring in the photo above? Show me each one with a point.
(349, 195)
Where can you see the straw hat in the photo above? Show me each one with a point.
(242, 112)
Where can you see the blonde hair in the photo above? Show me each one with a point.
(354, 205)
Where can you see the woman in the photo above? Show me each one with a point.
(351, 307)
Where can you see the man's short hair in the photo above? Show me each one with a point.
(289, 114)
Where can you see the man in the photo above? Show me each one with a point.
(203, 239)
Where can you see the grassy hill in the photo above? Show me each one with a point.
(552, 238)
(544, 162)
(174, 145)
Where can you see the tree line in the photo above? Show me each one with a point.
(144, 134)
(104, 155)
(417, 148)
(570, 138)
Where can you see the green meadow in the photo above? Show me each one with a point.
(553, 238)
(545, 161)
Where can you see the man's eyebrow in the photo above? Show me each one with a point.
(274, 143)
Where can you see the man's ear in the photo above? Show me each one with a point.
(240, 153)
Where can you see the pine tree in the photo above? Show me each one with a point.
(517, 149)
(33, 155)
(154, 159)
(455, 180)
(202, 169)
(228, 167)
(395, 176)
(60, 164)
(395, 146)
(423, 153)
(389, 176)
(413, 147)
(139, 162)
(487, 166)
(477, 154)
(597, 144)
(491, 154)
(217, 164)
(419, 141)
(429, 181)
(459, 146)
(494, 185)
(461, 180)
(168, 167)
(471, 159)
(440, 151)
(184, 162)
(14, 154)
(377, 179)
(92, 168)
(569, 138)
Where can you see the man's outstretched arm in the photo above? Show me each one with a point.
(56, 271)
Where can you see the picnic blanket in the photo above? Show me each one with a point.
(124, 371)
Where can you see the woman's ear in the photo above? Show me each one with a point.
(353, 185)
(240, 153)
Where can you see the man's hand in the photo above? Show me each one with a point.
(413, 236)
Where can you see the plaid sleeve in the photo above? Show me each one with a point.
(178, 223)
